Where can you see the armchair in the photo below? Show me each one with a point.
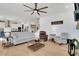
(43, 35)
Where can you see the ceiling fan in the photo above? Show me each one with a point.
(35, 10)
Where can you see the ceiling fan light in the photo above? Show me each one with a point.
(35, 11)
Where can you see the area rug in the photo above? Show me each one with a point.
(36, 46)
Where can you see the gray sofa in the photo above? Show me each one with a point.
(21, 37)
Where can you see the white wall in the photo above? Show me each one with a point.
(68, 26)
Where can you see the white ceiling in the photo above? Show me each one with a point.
(16, 10)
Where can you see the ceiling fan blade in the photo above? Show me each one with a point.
(35, 5)
(28, 10)
(38, 13)
(32, 12)
(42, 11)
(43, 8)
(27, 6)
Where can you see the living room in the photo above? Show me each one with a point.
(19, 24)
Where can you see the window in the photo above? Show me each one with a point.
(57, 22)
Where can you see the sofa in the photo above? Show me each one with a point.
(21, 37)
(62, 38)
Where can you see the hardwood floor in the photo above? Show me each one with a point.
(50, 49)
